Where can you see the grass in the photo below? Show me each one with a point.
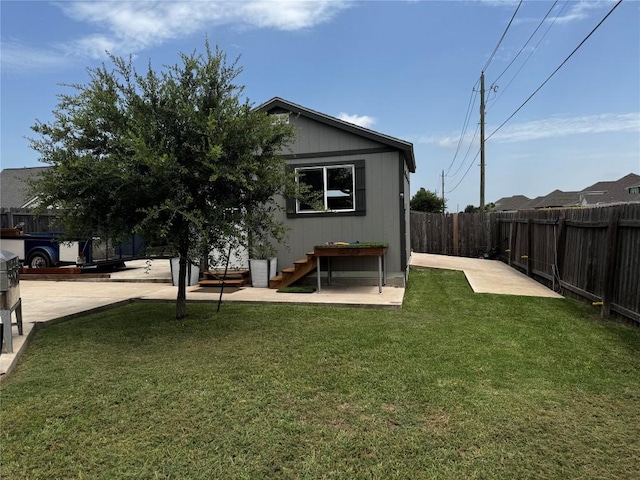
(456, 385)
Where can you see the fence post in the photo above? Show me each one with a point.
(511, 240)
(610, 264)
(529, 245)
(456, 250)
(560, 246)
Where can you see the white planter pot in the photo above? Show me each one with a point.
(262, 271)
(192, 274)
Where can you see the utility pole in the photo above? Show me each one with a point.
(482, 142)
(442, 191)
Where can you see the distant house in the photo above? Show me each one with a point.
(511, 204)
(555, 199)
(363, 179)
(623, 190)
(14, 187)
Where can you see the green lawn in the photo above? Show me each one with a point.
(454, 386)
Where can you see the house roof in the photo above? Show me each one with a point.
(558, 198)
(600, 193)
(617, 191)
(555, 199)
(402, 145)
(515, 202)
(599, 187)
(14, 186)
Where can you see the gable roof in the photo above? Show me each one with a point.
(402, 145)
(558, 198)
(599, 187)
(515, 202)
(608, 193)
(14, 186)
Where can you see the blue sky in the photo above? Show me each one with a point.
(404, 68)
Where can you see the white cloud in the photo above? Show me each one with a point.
(580, 10)
(17, 57)
(553, 127)
(128, 27)
(564, 126)
(361, 120)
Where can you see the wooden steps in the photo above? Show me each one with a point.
(292, 274)
(234, 278)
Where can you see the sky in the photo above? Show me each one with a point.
(408, 69)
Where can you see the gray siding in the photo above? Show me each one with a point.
(380, 224)
(314, 137)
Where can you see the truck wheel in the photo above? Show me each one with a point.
(39, 260)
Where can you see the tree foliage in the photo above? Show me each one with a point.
(175, 155)
(427, 201)
(473, 209)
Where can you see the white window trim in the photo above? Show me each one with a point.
(324, 180)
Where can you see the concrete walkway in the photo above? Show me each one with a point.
(486, 276)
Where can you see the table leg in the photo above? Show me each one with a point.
(6, 328)
(379, 273)
(319, 272)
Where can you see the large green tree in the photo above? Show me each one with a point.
(427, 201)
(177, 156)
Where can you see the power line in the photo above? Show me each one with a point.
(554, 72)
(465, 173)
(466, 155)
(470, 106)
(502, 37)
(464, 127)
(526, 60)
(526, 43)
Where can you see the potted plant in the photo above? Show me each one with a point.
(263, 263)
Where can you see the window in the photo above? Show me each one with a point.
(280, 118)
(339, 189)
(633, 190)
(333, 185)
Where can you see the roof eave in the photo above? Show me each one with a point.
(402, 145)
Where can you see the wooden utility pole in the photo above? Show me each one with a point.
(482, 142)
(442, 191)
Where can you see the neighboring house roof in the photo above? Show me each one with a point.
(613, 192)
(511, 203)
(599, 187)
(404, 146)
(14, 186)
(558, 198)
(623, 190)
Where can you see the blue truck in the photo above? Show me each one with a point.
(41, 250)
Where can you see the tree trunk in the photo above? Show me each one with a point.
(181, 301)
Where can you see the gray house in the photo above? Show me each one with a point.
(14, 186)
(363, 178)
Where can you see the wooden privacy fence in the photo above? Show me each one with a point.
(10, 217)
(593, 253)
(459, 234)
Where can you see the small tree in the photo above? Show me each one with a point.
(473, 209)
(176, 156)
(427, 201)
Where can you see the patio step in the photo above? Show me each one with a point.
(290, 275)
(233, 278)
